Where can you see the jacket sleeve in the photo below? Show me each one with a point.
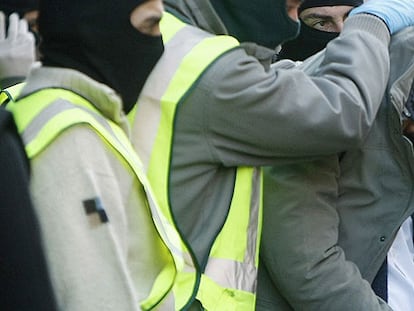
(255, 116)
(299, 247)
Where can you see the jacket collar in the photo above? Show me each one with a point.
(198, 13)
(101, 96)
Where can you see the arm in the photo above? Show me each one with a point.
(87, 256)
(299, 241)
(291, 188)
(254, 116)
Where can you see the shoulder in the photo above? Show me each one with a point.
(239, 68)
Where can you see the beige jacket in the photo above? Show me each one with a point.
(94, 265)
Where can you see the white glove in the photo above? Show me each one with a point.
(17, 47)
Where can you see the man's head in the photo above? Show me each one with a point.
(21, 7)
(321, 21)
(114, 42)
(27, 9)
(326, 15)
(265, 22)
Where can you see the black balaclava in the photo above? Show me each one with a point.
(311, 40)
(19, 6)
(264, 22)
(318, 3)
(96, 38)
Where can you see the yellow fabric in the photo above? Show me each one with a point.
(223, 299)
(228, 244)
(10, 93)
(190, 69)
(170, 26)
(69, 117)
(232, 240)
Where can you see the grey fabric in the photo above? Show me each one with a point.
(97, 38)
(198, 13)
(329, 222)
(241, 112)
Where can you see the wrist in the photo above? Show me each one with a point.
(368, 23)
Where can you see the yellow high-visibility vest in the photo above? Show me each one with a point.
(228, 281)
(10, 93)
(52, 111)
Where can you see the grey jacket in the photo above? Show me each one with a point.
(329, 222)
(241, 112)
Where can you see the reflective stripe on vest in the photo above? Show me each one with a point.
(229, 280)
(10, 93)
(58, 110)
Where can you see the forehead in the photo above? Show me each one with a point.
(326, 11)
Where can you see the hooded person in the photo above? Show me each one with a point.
(331, 246)
(99, 41)
(249, 22)
(100, 225)
(310, 39)
(214, 110)
(19, 6)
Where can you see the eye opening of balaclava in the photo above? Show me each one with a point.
(311, 40)
(264, 22)
(97, 38)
